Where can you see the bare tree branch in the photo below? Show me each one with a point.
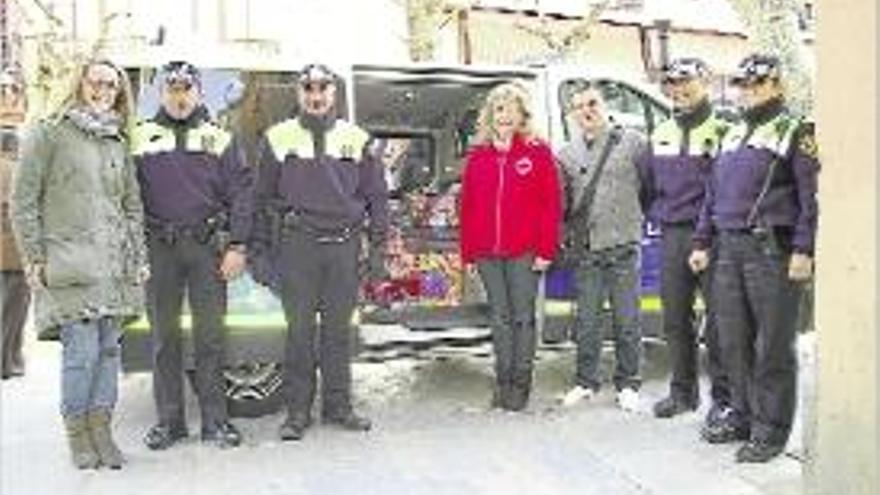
(562, 43)
(773, 28)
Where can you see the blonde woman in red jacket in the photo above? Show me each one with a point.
(510, 215)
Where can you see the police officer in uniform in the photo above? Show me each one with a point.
(198, 198)
(674, 173)
(761, 212)
(316, 178)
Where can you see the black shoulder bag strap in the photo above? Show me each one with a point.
(581, 214)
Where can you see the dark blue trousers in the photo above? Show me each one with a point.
(757, 310)
(678, 289)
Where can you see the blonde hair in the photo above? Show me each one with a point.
(124, 104)
(504, 93)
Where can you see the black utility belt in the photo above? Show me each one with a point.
(778, 237)
(681, 224)
(761, 231)
(293, 222)
(170, 232)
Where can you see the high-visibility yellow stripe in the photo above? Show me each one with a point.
(649, 304)
(149, 137)
(275, 319)
(345, 140)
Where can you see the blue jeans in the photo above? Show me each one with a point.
(90, 363)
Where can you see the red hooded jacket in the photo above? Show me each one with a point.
(510, 202)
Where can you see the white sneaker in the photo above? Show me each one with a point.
(577, 394)
(628, 399)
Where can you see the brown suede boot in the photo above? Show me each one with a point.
(99, 428)
(82, 451)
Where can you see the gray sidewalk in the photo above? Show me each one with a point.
(433, 435)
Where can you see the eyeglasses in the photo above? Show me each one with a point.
(105, 84)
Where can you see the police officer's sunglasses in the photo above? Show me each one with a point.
(315, 86)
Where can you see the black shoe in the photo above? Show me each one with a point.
(757, 451)
(724, 432)
(520, 390)
(671, 406)
(13, 371)
(162, 436)
(348, 421)
(519, 399)
(294, 427)
(223, 433)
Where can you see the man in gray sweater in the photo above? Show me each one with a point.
(607, 215)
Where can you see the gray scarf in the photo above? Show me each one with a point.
(98, 124)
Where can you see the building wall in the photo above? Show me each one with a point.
(722, 53)
(313, 29)
(844, 444)
(496, 38)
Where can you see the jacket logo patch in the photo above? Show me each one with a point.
(808, 146)
(523, 166)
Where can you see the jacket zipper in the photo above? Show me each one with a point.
(502, 163)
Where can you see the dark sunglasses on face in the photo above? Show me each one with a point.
(750, 83)
(180, 87)
(312, 87)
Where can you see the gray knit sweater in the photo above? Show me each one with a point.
(616, 216)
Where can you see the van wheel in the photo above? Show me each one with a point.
(253, 389)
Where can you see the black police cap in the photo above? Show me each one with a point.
(685, 68)
(181, 72)
(316, 73)
(757, 68)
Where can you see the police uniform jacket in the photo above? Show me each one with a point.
(678, 164)
(332, 187)
(191, 170)
(768, 134)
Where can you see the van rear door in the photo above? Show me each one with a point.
(423, 120)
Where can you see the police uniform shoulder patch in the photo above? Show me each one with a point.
(807, 141)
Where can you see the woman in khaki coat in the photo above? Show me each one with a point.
(77, 213)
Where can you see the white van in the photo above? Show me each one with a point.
(422, 119)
